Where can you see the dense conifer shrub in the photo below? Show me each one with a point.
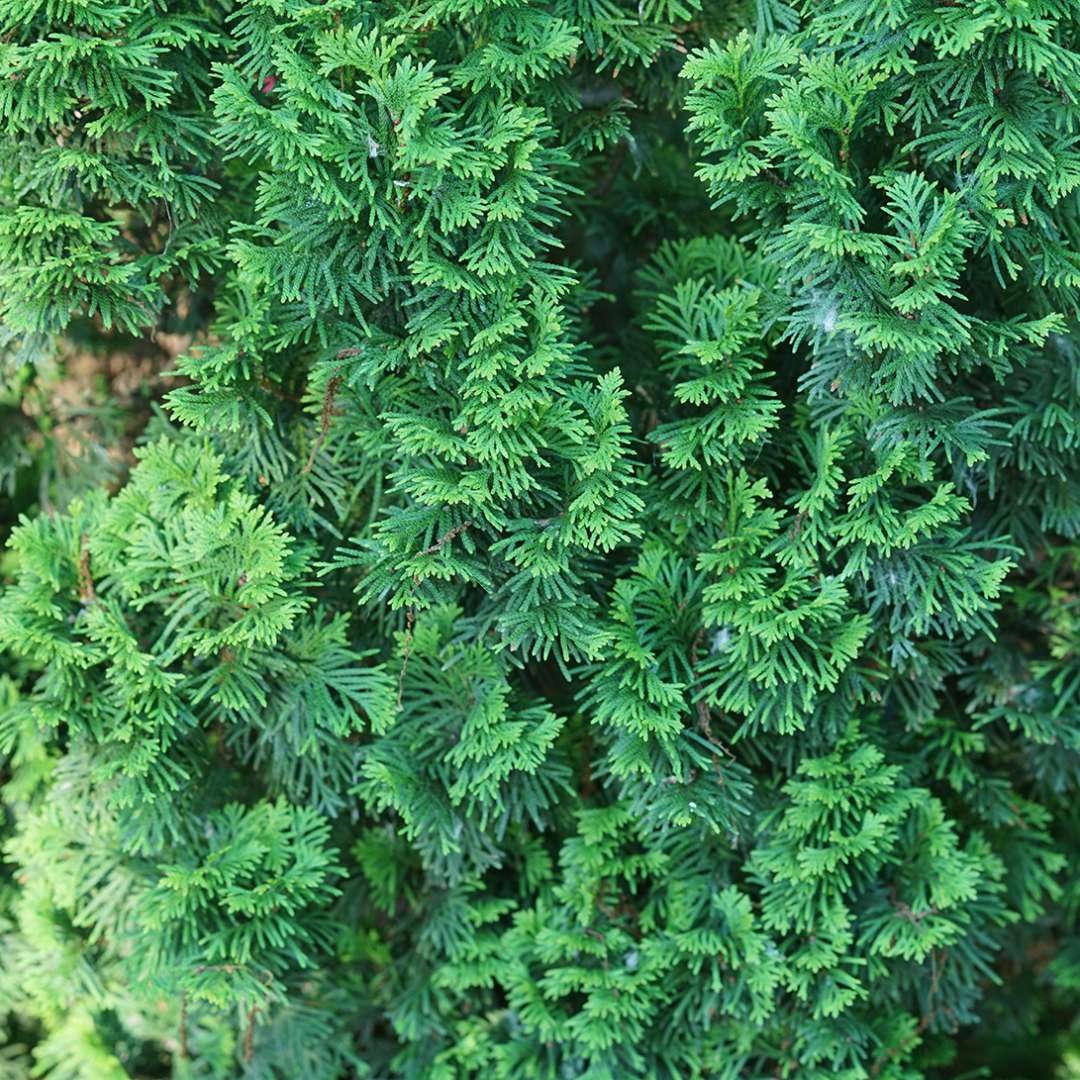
(582, 578)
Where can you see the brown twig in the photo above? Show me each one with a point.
(703, 713)
(332, 388)
(87, 593)
(183, 1027)
(702, 706)
(249, 1035)
(410, 622)
(330, 394)
(775, 178)
(445, 539)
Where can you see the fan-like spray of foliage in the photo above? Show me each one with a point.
(595, 594)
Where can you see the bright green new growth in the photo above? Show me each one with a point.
(598, 595)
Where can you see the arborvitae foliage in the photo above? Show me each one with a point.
(599, 598)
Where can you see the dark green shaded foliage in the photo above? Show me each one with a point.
(599, 598)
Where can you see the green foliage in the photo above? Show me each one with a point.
(597, 593)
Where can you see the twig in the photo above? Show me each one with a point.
(410, 622)
(249, 1035)
(445, 539)
(702, 705)
(87, 593)
(703, 713)
(332, 388)
(183, 1027)
(775, 178)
